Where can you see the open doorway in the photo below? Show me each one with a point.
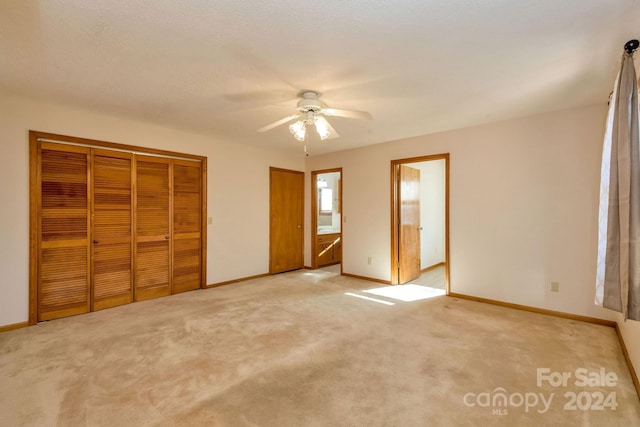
(326, 218)
(420, 221)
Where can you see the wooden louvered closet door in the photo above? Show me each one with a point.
(63, 250)
(112, 235)
(153, 228)
(111, 224)
(187, 224)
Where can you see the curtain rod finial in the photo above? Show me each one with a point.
(631, 46)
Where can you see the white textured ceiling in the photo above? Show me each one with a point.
(227, 68)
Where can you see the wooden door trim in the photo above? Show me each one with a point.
(35, 201)
(94, 143)
(204, 223)
(134, 224)
(314, 217)
(37, 138)
(395, 215)
(275, 169)
(171, 217)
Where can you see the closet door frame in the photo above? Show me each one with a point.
(35, 214)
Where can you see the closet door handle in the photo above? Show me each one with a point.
(96, 242)
(166, 237)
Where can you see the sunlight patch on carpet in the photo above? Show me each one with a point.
(406, 293)
(369, 298)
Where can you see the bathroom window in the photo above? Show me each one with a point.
(326, 201)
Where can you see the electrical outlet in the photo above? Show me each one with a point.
(369, 260)
(555, 286)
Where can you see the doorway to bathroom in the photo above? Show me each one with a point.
(326, 218)
(420, 221)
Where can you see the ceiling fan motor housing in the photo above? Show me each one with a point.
(310, 103)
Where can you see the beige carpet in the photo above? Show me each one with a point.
(295, 350)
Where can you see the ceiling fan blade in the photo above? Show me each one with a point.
(352, 114)
(278, 123)
(332, 132)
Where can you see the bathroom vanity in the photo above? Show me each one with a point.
(329, 249)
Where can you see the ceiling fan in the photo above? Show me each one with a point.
(311, 112)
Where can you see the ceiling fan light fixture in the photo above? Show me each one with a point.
(322, 128)
(311, 112)
(298, 130)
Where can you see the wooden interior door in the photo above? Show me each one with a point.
(409, 224)
(63, 283)
(112, 234)
(286, 229)
(187, 224)
(153, 228)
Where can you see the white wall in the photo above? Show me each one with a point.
(432, 212)
(523, 209)
(237, 199)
